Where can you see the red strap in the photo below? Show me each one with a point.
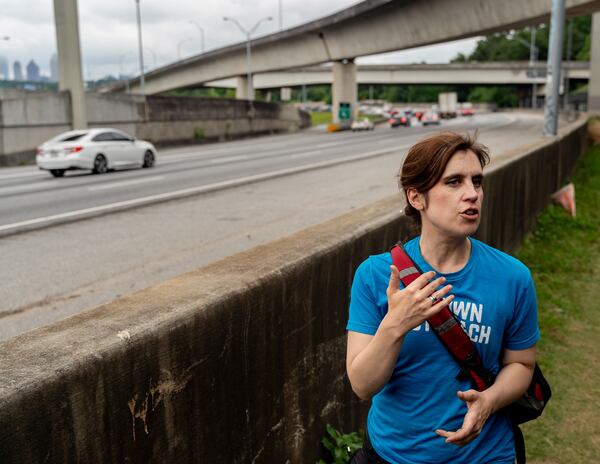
(446, 326)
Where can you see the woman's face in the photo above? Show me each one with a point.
(453, 206)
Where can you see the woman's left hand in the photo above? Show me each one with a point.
(479, 409)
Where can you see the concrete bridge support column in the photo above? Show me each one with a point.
(241, 90)
(286, 93)
(344, 88)
(69, 59)
(594, 83)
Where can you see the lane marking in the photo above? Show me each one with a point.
(94, 211)
(27, 188)
(228, 159)
(192, 154)
(331, 144)
(125, 183)
(23, 174)
(308, 153)
(136, 202)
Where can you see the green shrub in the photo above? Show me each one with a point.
(340, 446)
(199, 133)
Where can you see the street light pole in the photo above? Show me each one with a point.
(141, 48)
(532, 60)
(179, 44)
(122, 71)
(557, 21)
(568, 59)
(201, 33)
(6, 39)
(153, 55)
(280, 17)
(249, 84)
(248, 35)
(533, 54)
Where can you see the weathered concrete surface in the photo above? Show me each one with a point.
(240, 361)
(70, 76)
(344, 89)
(367, 28)
(179, 120)
(28, 121)
(236, 362)
(488, 72)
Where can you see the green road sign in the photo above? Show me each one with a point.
(345, 111)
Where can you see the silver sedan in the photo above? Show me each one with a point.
(99, 150)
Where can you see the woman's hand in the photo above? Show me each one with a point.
(479, 409)
(410, 307)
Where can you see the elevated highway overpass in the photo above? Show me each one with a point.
(514, 72)
(371, 27)
(368, 28)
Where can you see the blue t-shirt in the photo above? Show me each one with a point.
(495, 300)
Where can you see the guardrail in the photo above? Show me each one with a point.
(239, 361)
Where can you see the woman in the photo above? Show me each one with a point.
(420, 411)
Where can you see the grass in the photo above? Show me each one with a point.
(564, 256)
(320, 117)
(324, 117)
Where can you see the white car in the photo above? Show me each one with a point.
(98, 149)
(364, 124)
(430, 118)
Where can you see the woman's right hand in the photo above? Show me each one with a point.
(410, 307)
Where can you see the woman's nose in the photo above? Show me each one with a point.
(470, 190)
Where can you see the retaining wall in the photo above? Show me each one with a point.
(27, 121)
(241, 361)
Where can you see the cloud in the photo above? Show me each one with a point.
(108, 30)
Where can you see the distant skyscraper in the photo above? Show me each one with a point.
(54, 68)
(4, 67)
(18, 71)
(33, 71)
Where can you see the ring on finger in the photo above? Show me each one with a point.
(434, 299)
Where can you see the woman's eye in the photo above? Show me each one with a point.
(452, 181)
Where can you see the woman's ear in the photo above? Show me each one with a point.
(416, 199)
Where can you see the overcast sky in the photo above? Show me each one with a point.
(109, 36)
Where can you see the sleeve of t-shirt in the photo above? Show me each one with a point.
(365, 315)
(523, 330)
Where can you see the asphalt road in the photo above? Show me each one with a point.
(202, 203)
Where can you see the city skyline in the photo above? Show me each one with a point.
(20, 73)
(108, 31)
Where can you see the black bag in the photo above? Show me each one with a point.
(533, 401)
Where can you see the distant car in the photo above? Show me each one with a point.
(430, 118)
(467, 112)
(399, 120)
(100, 150)
(363, 124)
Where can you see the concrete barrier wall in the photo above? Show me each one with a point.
(187, 120)
(241, 361)
(113, 108)
(25, 122)
(28, 121)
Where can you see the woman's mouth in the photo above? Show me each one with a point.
(470, 214)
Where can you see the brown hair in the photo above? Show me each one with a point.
(426, 161)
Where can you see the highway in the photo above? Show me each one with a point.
(72, 243)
